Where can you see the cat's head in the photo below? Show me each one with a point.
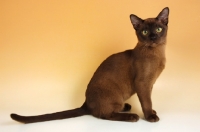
(152, 31)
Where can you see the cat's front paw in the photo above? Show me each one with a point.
(153, 118)
(154, 112)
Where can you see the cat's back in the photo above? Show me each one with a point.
(112, 78)
(117, 61)
(114, 68)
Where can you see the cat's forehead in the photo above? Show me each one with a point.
(151, 22)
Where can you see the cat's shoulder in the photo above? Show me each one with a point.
(126, 53)
(118, 58)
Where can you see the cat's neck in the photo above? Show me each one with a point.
(156, 51)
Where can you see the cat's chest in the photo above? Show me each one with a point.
(150, 61)
(149, 68)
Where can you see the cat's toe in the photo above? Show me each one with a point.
(134, 118)
(153, 118)
(154, 112)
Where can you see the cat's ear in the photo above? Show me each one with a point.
(136, 21)
(163, 16)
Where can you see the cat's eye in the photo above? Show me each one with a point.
(144, 32)
(158, 30)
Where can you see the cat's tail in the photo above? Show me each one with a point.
(54, 116)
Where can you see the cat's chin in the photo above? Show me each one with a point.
(153, 45)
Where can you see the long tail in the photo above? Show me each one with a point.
(53, 116)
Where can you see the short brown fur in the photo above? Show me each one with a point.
(121, 75)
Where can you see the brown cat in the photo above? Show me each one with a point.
(121, 75)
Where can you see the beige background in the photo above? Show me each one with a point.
(49, 50)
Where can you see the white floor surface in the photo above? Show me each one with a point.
(177, 106)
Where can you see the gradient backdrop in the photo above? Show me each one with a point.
(49, 50)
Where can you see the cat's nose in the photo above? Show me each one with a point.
(152, 37)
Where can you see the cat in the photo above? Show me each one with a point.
(121, 75)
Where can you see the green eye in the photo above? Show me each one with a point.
(158, 30)
(144, 32)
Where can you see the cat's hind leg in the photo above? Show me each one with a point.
(113, 112)
(127, 107)
(129, 117)
(124, 116)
